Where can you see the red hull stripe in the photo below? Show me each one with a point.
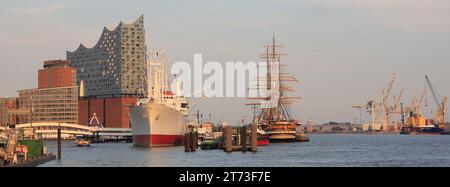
(155, 140)
(262, 142)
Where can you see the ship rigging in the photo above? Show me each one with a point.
(275, 118)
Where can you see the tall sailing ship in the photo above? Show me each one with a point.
(274, 118)
(160, 119)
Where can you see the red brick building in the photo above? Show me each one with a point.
(7, 114)
(55, 99)
(111, 112)
(56, 73)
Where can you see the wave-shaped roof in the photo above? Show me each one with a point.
(106, 30)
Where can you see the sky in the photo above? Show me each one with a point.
(343, 51)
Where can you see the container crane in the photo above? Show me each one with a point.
(440, 103)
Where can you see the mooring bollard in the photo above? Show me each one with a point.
(59, 143)
(224, 138)
(192, 141)
(196, 140)
(228, 139)
(187, 141)
(244, 138)
(254, 138)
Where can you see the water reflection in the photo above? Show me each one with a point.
(323, 150)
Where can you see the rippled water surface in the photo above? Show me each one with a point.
(323, 150)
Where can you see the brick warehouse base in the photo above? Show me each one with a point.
(111, 112)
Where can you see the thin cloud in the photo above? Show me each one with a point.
(408, 15)
(39, 11)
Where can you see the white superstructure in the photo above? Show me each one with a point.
(160, 119)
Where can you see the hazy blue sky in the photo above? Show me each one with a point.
(344, 51)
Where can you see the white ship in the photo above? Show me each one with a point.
(160, 119)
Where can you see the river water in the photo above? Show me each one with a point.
(323, 150)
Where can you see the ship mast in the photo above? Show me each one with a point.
(279, 112)
(158, 81)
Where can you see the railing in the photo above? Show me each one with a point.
(75, 129)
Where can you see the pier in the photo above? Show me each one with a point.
(24, 146)
(94, 134)
(33, 162)
(233, 139)
(191, 141)
(239, 139)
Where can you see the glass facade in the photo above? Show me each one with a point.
(116, 66)
(50, 105)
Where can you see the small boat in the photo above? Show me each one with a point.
(301, 137)
(208, 145)
(82, 143)
(263, 138)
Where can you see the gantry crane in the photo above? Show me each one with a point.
(395, 108)
(380, 110)
(385, 105)
(440, 103)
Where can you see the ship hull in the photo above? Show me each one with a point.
(262, 140)
(155, 140)
(421, 131)
(282, 138)
(156, 125)
(282, 131)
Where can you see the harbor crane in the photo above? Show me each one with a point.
(394, 108)
(381, 110)
(414, 107)
(385, 106)
(440, 103)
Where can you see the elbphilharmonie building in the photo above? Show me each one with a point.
(116, 65)
(112, 75)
